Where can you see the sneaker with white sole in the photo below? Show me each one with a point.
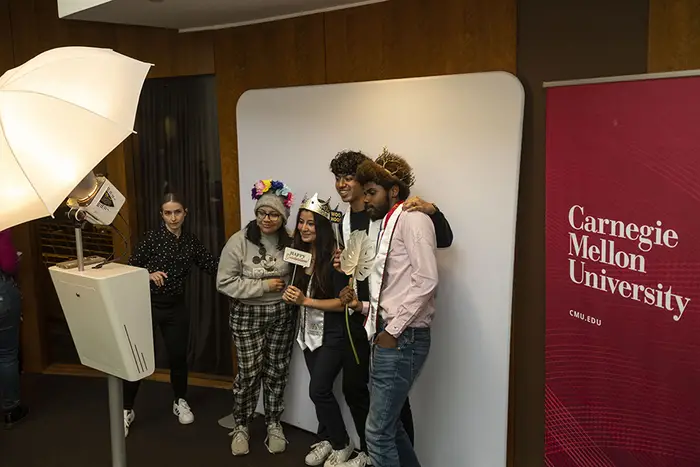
(362, 460)
(319, 453)
(338, 457)
(239, 443)
(129, 417)
(276, 442)
(183, 412)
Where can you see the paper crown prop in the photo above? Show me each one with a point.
(314, 204)
(396, 166)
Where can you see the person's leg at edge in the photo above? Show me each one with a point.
(329, 362)
(322, 449)
(310, 360)
(407, 420)
(277, 356)
(356, 381)
(10, 319)
(176, 331)
(247, 324)
(131, 388)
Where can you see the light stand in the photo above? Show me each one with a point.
(115, 387)
(107, 305)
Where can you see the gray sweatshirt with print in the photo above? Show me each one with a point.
(245, 267)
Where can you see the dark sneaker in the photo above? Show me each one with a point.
(16, 415)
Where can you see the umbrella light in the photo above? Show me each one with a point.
(61, 113)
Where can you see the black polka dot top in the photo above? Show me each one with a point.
(163, 251)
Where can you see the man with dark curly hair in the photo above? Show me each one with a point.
(400, 310)
(356, 375)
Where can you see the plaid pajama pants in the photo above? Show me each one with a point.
(263, 336)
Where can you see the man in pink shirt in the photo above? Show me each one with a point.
(10, 315)
(402, 287)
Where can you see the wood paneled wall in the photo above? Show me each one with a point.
(7, 59)
(36, 28)
(406, 38)
(395, 39)
(284, 53)
(674, 35)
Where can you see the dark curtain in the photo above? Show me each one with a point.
(177, 142)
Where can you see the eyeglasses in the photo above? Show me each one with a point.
(261, 215)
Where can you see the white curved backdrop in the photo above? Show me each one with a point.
(462, 135)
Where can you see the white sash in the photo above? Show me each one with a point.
(373, 233)
(310, 332)
(376, 277)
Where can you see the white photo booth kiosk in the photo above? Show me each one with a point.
(107, 306)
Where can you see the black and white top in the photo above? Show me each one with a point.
(162, 250)
(324, 328)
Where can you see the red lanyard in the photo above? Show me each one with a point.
(391, 211)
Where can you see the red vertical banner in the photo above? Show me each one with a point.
(623, 274)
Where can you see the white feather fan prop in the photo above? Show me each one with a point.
(356, 258)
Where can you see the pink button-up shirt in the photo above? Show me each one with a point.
(410, 276)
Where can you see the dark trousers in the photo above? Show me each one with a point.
(10, 315)
(324, 365)
(406, 418)
(171, 316)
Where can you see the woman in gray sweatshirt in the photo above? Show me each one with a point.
(253, 274)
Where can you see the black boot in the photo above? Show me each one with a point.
(16, 415)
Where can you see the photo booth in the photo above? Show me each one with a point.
(61, 113)
(462, 135)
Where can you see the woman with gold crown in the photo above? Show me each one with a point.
(321, 333)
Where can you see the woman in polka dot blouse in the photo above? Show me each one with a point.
(168, 254)
(253, 274)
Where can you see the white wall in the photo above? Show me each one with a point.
(462, 135)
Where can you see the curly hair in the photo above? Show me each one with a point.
(347, 162)
(388, 170)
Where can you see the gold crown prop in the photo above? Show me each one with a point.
(314, 204)
(396, 166)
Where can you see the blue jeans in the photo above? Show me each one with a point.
(392, 374)
(10, 313)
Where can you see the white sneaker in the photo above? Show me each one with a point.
(339, 457)
(239, 443)
(129, 417)
(276, 442)
(319, 453)
(362, 460)
(183, 412)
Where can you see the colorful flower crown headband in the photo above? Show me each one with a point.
(274, 187)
